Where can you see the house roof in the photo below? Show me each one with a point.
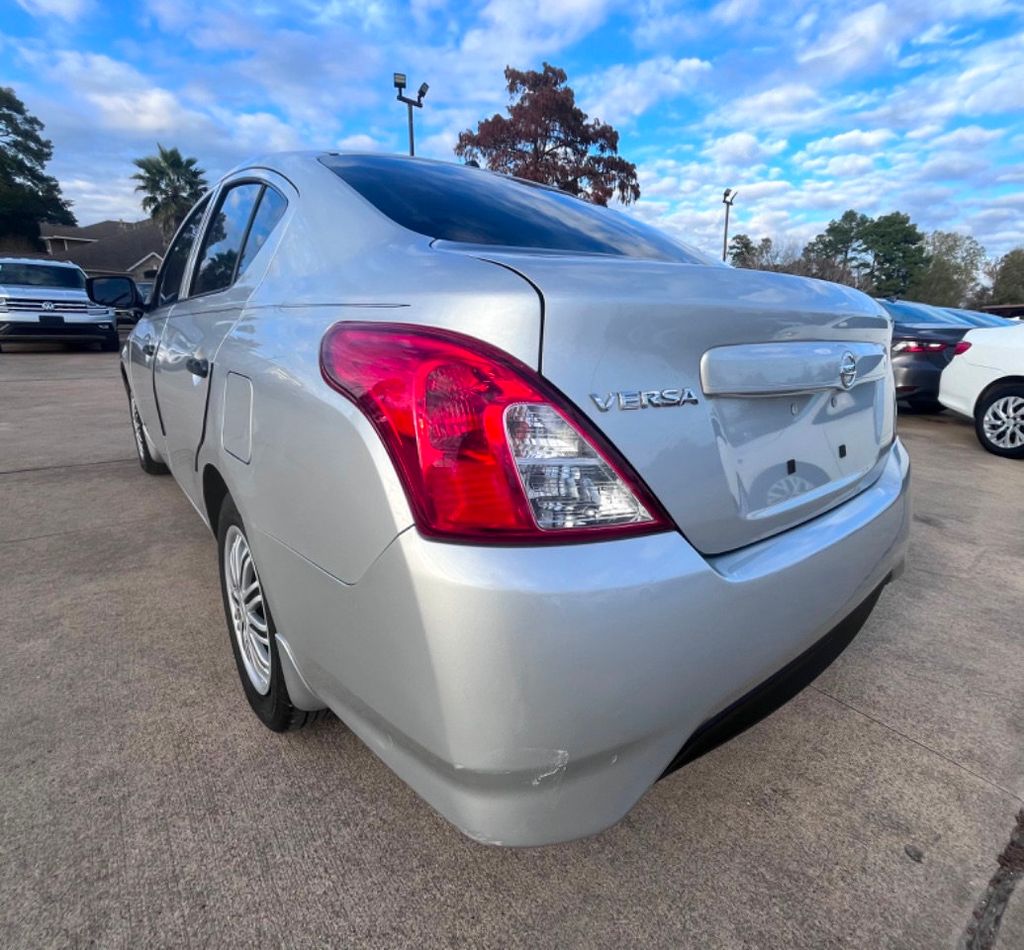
(114, 246)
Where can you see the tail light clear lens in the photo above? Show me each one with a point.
(962, 347)
(567, 484)
(485, 448)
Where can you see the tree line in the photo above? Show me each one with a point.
(889, 256)
(169, 183)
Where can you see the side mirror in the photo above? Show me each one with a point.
(118, 292)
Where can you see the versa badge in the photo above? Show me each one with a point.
(644, 398)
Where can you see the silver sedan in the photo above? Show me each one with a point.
(540, 502)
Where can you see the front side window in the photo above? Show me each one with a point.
(225, 235)
(168, 284)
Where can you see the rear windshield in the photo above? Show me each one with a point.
(41, 275)
(921, 315)
(473, 206)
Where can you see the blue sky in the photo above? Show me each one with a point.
(806, 109)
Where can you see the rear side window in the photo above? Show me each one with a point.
(268, 213)
(459, 203)
(222, 246)
(169, 281)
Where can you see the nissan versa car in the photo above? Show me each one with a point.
(47, 301)
(541, 503)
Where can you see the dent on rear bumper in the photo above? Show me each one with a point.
(533, 695)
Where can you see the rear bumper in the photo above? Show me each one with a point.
(533, 695)
(25, 331)
(916, 378)
(962, 385)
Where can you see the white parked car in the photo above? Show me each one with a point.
(985, 381)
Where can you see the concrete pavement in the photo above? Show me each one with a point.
(141, 803)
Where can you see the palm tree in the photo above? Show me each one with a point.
(170, 184)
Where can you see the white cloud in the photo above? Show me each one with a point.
(359, 143)
(124, 99)
(847, 166)
(952, 167)
(733, 11)
(369, 14)
(69, 10)
(622, 92)
(785, 107)
(856, 140)
(967, 137)
(101, 200)
(742, 148)
(855, 40)
(518, 31)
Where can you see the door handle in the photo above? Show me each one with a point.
(149, 349)
(198, 367)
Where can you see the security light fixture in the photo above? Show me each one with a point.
(400, 84)
(728, 197)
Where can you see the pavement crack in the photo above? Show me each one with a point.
(123, 522)
(983, 928)
(918, 743)
(48, 468)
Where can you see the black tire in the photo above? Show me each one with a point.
(273, 707)
(111, 344)
(996, 393)
(149, 465)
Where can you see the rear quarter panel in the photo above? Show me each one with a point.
(319, 480)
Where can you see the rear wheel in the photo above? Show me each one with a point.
(149, 465)
(251, 628)
(999, 421)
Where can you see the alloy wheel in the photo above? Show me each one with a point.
(248, 610)
(140, 432)
(1004, 422)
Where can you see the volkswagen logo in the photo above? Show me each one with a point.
(848, 370)
(47, 304)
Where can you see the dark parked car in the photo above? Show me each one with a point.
(924, 339)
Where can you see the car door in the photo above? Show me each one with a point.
(211, 301)
(145, 337)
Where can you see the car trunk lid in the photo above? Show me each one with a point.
(749, 402)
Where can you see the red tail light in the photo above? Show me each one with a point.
(918, 346)
(962, 347)
(485, 448)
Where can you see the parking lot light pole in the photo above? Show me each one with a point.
(400, 84)
(727, 199)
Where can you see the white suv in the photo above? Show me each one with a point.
(47, 300)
